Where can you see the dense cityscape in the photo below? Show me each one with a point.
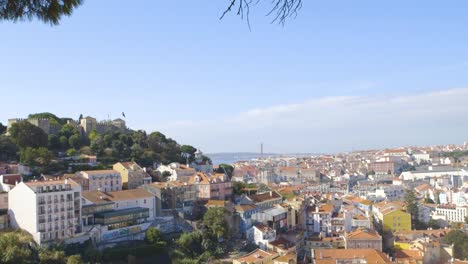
(233, 132)
(119, 195)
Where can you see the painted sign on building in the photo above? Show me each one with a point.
(109, 235)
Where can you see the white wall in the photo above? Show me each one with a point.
(23, 208)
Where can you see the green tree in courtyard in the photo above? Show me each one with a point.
(459, 239)
(412, 206)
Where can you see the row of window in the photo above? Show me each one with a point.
(54, 235)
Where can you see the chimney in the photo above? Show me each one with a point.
(271, 193)
(317, 208)
(321, 255)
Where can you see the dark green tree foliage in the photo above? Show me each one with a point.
(54, 142)
(75, 259)
(225, 168)
(433, 224)
(52, 257)
(3, 128)
(459, 239)
(8, 149)
(154, 237)
(216, 223)
(14, 249)
(53, 119)
(238, 186)
(35, 156)
(63, 142)
(74, 141)
(50, 11)
(25, 134)
(412, 206)
(189, 245)
(67, 131)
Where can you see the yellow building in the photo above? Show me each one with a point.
(395, 220)
(133, 176)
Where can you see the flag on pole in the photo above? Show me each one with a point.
(123, 114)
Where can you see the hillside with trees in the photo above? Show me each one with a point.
(30, 145)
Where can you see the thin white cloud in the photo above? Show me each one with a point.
(335, 124)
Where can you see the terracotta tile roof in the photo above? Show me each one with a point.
(287, 258)
(422, 187)
(330, 256)
(396, 204)
(91, 172)
(263, 228)
(266, 196)
(129, 165)
(434, 233)
(363, 234)
(389, 210)
(216, 203)
(98, 197)
(257, 256)
(203, 179)
(282, 243)
(401, 254)
(326, 208)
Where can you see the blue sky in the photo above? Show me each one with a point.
(173, 66)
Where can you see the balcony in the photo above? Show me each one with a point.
(42, 221)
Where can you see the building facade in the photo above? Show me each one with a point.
(48, 210)
(133, 176)
(102, 180)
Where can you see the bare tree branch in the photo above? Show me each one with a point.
(281, 10)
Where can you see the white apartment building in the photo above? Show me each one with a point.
(104, 180)
(452, 213)
(48, 210)
(318, 219)
(261, 235)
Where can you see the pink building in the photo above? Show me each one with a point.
(214, 187)
(103, 180)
